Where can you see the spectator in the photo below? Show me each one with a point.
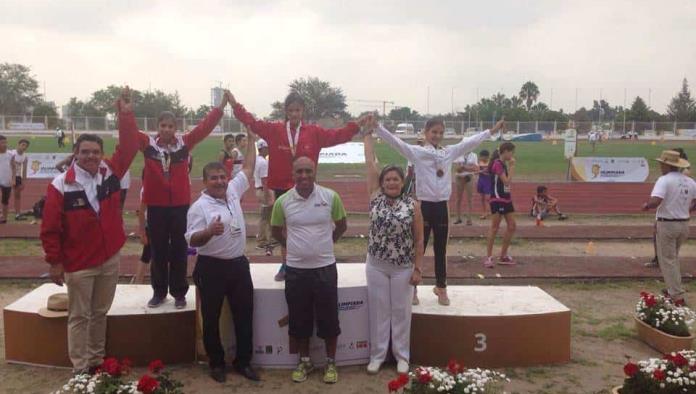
(543, 205)
(19, 158)
(7, 179)
(265, 198)
(483, 185)
(465, 167)
(225, 156)
(502, 169)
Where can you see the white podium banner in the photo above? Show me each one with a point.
(271, 342)
(350, 152)
(43, 165)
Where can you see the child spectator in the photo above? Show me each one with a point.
(543, 205)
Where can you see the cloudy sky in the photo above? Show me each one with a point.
(374, 50)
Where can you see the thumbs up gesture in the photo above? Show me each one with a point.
(216, 227)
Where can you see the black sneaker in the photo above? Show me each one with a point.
(218, 374)
(155, 301)
(180, 302)
(458, 221)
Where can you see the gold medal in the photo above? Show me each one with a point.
(440, 173)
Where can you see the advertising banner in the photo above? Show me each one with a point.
(43, 165)
(610, 169)
(350, 152)
(571, 142)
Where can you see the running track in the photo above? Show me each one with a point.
(585, 198)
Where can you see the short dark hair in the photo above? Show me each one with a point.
(227, 137)
(506, 146)
(389, 168)
(432, 122)
(293, 97)
(213, 165)
(239, 137)
(166, 115)
(89, 138)
(23, 141)
(484, 152)
(2, 137)
(541, 189)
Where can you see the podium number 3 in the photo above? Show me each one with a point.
(480, 342)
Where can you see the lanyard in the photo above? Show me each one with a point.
(291, 142)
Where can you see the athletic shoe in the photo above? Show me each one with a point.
(373, 367)
(304, 368)
(269, 251)
(280, 276)
(488, 262)
(507, 260)
(562, 217)
(180, 302)
(20, 217)
(330, 373)
(155, 301)
(469, 222)
(441, 294)
(218, 374)
(402, 367)
(458, 221)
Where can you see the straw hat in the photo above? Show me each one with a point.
(56, 306)
(671, 158)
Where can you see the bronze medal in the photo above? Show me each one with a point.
(440, 173)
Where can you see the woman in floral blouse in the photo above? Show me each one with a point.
(394, 261)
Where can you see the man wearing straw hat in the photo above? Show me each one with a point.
(673, 195)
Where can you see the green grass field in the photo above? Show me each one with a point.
(536, 161)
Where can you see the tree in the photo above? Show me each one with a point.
(45, 108)
(153, 103)
(639, 111)
(682, 107)
(321, 100)
(201, 112)
(529, 93)
(18, 89)
(404, 113)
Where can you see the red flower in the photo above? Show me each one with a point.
(454, 367)
(403, 379)
(650, 301)
(631, 369)
(679, 360)
(659, 375)
(126, 365)
(156, 366)
(147, 384)
(644, 294)
(424, 377)
(111, 366)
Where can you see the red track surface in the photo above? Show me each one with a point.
(574, 197)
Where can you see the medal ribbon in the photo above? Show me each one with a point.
(291, 142)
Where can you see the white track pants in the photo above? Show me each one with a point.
(389, 297)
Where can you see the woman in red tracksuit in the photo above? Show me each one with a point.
(167, 194)
(290, 139)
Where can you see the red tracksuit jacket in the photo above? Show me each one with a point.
(312, 139)
(72, 233)
(172, 189)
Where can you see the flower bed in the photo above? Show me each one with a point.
(662, 314)
(110, 378)
(454, 379)
(674, 373)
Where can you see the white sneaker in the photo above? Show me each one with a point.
(373, 367)
(402, 367)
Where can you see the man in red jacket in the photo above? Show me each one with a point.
(82, 234)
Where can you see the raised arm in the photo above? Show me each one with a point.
(128, 135)
(331, 137)
(468, 144)
(250, 156)
(371, 165)
(206, 126)
(260, 127)
(406, 150)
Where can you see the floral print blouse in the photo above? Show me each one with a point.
(391, 235)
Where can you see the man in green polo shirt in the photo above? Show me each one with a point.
(314, 218)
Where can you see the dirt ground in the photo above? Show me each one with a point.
(603, 338)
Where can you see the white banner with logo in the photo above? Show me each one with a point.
(571, 143)
(25, 126)
(271, 346)
(610, 169)
(350, 152)
(43, 165)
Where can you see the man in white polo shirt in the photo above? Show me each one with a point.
(215, 225)
(673, 195)
(314, 218)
